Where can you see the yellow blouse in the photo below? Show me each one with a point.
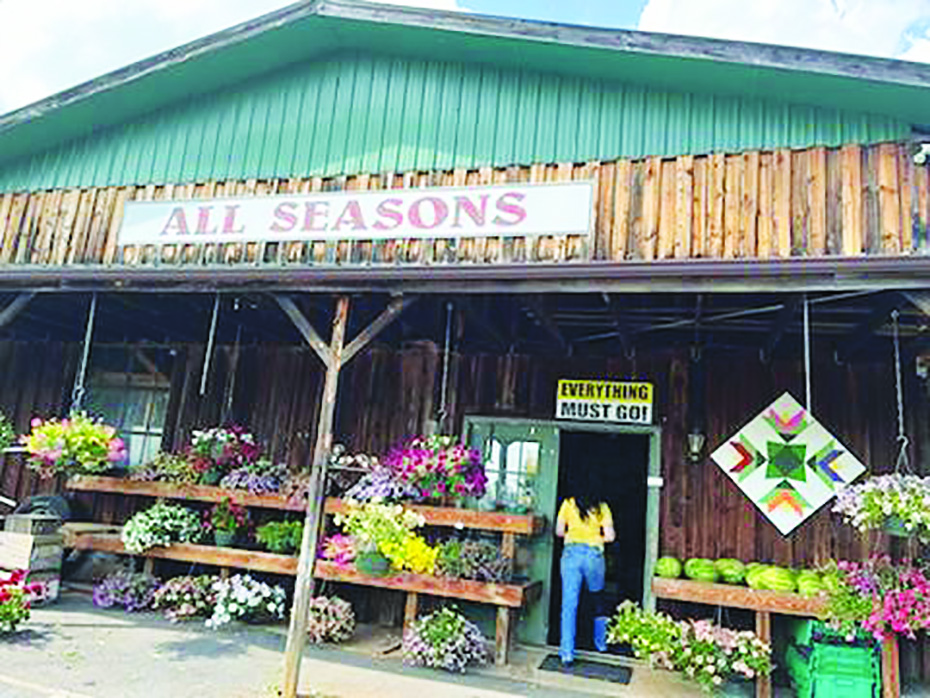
(585, 531)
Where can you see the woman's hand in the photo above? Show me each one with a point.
(609, 534)
(560, 528)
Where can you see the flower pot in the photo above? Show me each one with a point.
(224, 539)
(211, 477)
(373, 564)
(894, 526)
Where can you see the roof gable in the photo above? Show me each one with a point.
(352, 113)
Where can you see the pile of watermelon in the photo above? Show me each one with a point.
(755, 575)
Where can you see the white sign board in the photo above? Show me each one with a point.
(504, 210)
(610, 402)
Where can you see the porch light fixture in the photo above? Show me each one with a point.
(696, 439)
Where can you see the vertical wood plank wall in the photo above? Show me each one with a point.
(845, 201)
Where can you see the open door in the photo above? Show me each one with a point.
(522, 467)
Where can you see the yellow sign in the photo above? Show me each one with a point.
(604, 401)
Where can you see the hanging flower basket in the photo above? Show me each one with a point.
(893, 504)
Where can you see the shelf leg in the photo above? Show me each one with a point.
(502, 641)
(224, 573)
(410, 610)
(148, 566)
(764, 631)
(891, 678)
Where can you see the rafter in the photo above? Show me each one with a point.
(478, 319)
(864, 332)
(537, 306)
(16, 306)
(780, 325)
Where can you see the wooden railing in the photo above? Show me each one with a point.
(852, 200)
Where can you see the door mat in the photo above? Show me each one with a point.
(586, 669)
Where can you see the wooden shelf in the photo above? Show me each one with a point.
(518, 524)
(189, 552)
(737, 597)
(512, 595)
(171, 490)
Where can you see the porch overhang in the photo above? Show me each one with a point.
(874, 273)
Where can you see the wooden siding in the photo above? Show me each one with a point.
(386, 394)
(844, 201)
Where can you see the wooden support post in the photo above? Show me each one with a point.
(410, 610)
(303, 588)
(502, 641)
(891, 679)
(9, 313)
(764, 631)
(148, 566)
(224, 573)
(509, 548)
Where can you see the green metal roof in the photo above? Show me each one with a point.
(332, 87)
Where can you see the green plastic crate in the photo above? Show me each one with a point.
(806, 632)
(838, 687)
(844, 661)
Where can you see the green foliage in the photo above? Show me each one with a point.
(14, 608)
(7, 433)
(167, 467)
(280, 536)
(472, 559)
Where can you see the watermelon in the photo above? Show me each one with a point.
(731, 571)
(778, 579)
(755, 572)
(668, 567)
(700, 570)
(809, 586)
(831, 582)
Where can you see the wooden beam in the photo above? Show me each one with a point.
(477, 319)
(16, 306)
(393, 311)
(303, 587)
(618, 320)
(920, 299)
(862, 334)
(536, 304)
(780, 324)
(306, 329)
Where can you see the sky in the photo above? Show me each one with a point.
(47, 46)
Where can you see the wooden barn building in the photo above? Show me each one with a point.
(530, 203)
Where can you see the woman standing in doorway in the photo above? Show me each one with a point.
(586, 524)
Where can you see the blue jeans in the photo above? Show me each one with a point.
(580, 563)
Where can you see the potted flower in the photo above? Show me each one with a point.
(879, 597)
(282, 537)
(218, 450)
(445, 640)
(384, 538)
(184, 598)
(133, 591)
(75, 445)
(897, 504)
(226, 519)
(160, 525)
(704, 652)
(439, 468)
(16, 597)
(242, 597)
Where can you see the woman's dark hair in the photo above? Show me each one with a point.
(586, 495)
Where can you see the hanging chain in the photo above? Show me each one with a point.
(443, 411)
(902, 436)
(77, 395)
(807, 352)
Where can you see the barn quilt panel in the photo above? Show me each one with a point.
(787, 463)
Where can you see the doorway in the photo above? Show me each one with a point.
(620, 461)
